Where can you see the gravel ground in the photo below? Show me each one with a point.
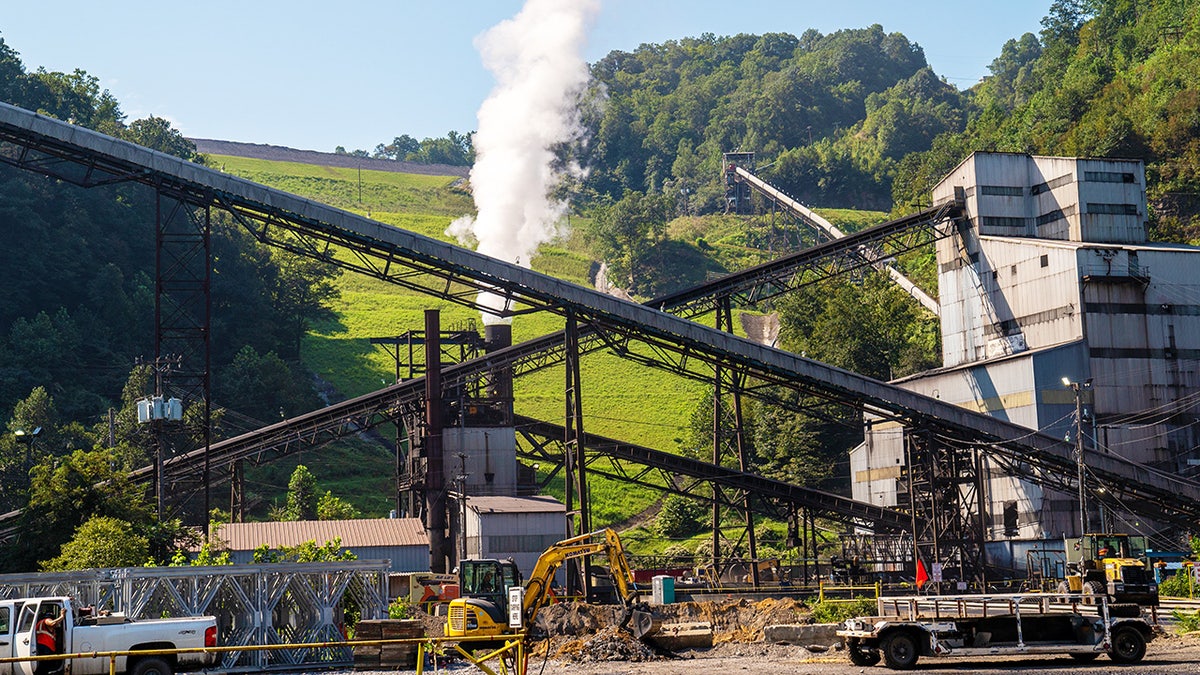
(1166, 655)
(588, 643)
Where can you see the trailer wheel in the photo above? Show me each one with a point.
(900, 650)
(859, 656)
(1128, 645)
(151, 666)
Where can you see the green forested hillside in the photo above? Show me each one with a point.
(830, 114)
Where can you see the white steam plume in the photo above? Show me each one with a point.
(540, 74)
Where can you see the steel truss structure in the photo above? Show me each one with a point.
(269, 604)
(945, 487)
(692, 478)
(852, 252)
(648, 335)
(182, 319)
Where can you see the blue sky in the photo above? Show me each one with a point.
(315, 75)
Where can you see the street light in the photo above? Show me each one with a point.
(26, 438)
(1078, 388)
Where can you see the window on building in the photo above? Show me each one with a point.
(1003, 221)
(1011, 519)
(1108, 177)
(1045, 219)
(1113, 209)
(1001, 190)
(1051, 184)
(1045, 260)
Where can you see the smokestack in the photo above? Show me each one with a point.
(435, 478)
(497, 336)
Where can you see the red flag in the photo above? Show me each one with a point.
(922, 575)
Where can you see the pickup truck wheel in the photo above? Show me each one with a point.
(900, 650)
(151, 666)
(1128, 645)
(861, 657)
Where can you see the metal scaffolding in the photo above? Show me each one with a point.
(255, 605)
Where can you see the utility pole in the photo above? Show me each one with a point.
(1078, 388)
(462, 498)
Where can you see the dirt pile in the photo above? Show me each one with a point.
(584, 633)
(610, 644)
(576, 618)
(737, 620)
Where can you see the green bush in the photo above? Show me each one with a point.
(1186, 622)
(1176, 586)
(400, 608)
(679, 517)
(837, 611)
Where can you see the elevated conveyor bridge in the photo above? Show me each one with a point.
(813, 219)
(646, 334)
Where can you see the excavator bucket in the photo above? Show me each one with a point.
(637, 620)
(641, 623)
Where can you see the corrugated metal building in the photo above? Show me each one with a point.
(484, 457)
(521, 528)
(1053, 278)
(401, 540)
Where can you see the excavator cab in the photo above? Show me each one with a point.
(483, 608)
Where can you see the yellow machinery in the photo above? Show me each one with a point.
(483, 608)
(1112, 565)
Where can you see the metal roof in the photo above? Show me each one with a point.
(536, 504)
(357, 533)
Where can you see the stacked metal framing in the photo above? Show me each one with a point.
(270, 604)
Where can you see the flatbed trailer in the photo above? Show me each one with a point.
(907, 628)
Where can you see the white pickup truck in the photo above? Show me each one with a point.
(83, 630)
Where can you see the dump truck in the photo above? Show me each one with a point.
(1110, 565)
(907, 628)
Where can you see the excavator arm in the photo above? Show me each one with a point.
(604, 541)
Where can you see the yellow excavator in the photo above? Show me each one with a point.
(486, 587)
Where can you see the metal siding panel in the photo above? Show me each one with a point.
(487, 450)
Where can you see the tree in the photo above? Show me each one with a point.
(870, 327)
(156, 133)
(264, 387)
(302, 497)
(680, 517)
(302, 292)
(308, 551)
(625, 233)
(330, 507)
(102, 541)
(67, 493)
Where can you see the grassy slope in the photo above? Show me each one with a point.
(622, 399)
